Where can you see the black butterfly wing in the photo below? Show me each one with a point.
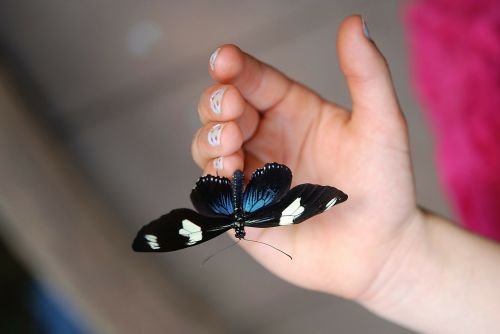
(267, 186)
(212, 196)
(300, 203)
(178, 229)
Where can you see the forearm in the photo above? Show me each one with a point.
(442, 279)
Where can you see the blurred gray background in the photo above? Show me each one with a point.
(120, 82)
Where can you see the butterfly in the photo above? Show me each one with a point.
(223, 204)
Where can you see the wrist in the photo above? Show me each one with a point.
(411, 272)
(440, 278)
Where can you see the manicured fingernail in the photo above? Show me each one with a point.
(213, 56)
(219, 163)
(214, 134)
(216, 100)
(365, 29)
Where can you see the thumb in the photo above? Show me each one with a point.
(374, 101)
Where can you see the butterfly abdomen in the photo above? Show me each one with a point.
(239, 219)
(237, 187)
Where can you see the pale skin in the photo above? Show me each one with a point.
(378, 248)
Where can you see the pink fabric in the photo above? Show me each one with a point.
(455, 59)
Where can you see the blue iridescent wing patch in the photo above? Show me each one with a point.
(212, 196)
(267, 186)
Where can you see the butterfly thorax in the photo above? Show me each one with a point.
(238, 215)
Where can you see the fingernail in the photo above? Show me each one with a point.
(216, 100)
(213, 56)
(219, 163)
(214, 134)
(365, 28)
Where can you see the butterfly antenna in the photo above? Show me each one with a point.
(218, 252)
(279, 250)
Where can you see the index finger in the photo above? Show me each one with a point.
(260, 84)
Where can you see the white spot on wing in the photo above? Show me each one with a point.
(152, 241)
(331, 203)
(191, 231)
(291, 212)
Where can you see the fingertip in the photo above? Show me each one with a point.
(351, 28)
(225, 165)
(357, 51)
(218, 139)
(221, 139)
(227, 63)
(220, 103)
(214, 140)
(354, 21)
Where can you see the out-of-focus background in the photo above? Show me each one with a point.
(97, 108)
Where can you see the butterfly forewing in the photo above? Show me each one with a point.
(267, 186)
(178, 229)
(300, 203)
(212, 196)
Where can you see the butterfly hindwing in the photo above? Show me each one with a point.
(212, 196)
(300, 203)
(178, 229)
(267, 186)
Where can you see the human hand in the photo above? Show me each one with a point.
(268, 117)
